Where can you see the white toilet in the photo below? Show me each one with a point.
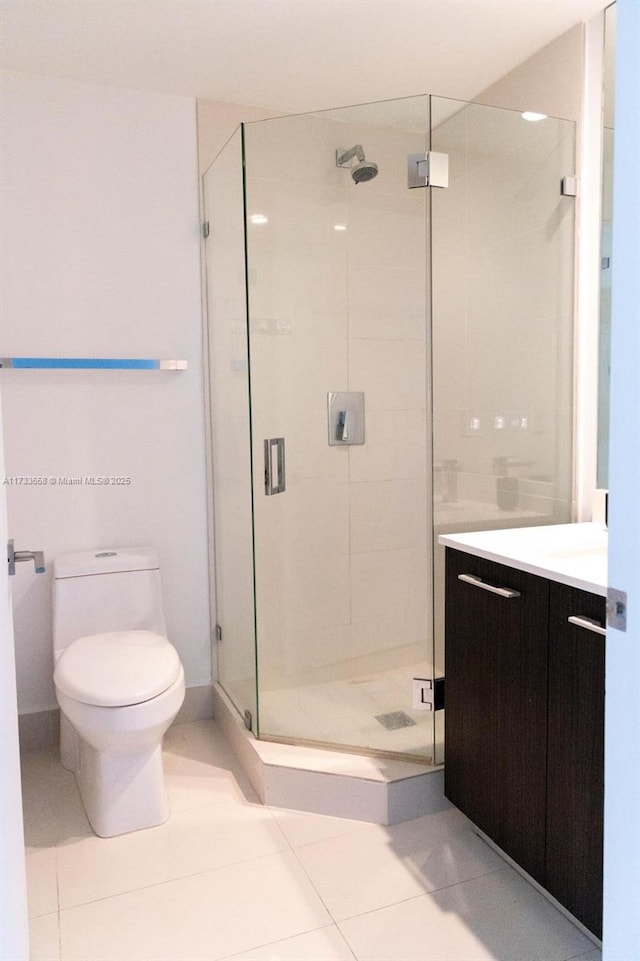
(119, 683)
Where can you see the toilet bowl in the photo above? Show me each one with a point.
(118, 688)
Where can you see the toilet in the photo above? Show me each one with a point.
(119, 684)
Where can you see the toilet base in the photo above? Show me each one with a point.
(116, 756)
(69, 745)
(122, 792)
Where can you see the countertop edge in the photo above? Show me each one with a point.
(540, 566)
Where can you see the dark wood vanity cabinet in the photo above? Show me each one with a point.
(524, 722)
(575, 753)
(495, 716)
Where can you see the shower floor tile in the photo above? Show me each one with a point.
(348, 712)
(227, 878)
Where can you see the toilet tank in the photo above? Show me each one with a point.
(109, 590)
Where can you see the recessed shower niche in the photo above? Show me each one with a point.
(450, 310)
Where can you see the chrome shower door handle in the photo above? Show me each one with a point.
(274, 475)
(15, 557)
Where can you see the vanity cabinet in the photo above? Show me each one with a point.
(575, 752)
(495, 713)
(524, 722)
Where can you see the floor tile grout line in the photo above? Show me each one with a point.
(504, 870)
(267, 944)
(414, 897)
(393, 903)
(172, 880)
(315, 887)
(458, 832)
(359, 826)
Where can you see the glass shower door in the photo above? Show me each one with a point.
(337, 304)
(229, 422)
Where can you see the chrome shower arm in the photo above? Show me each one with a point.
(344, 156)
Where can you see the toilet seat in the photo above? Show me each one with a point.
(118, 668)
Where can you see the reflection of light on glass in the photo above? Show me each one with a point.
(533, 116)
(258, 219)
(339, 226)
(474, 423)
(498, 423)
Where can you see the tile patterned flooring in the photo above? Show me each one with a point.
(226, 878)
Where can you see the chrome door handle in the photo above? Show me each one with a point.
(478, 582)
(587, 622)
(274, 475)
(15, 557)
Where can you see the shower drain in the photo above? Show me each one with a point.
(395, 720)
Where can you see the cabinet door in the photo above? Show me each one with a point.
(575, 790)
(496, 710)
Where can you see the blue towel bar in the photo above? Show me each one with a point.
(90, 363)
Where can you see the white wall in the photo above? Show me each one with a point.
(548, 82)
(14, 934)
(217, 121)
(101, 258)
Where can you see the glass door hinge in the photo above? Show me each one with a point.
(569, 186)
(428, 694)
(218, 633)
(429, 169)
(205, 229)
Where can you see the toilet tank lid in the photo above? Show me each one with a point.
(108, 560)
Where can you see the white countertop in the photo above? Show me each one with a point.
(573, 554)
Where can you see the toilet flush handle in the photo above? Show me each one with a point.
(14, 557)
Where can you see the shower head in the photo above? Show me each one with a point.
(363, 170)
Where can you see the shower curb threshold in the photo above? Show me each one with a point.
(330, 782)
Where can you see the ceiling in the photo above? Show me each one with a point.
(287, 55)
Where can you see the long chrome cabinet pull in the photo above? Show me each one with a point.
(588, 623)
(478, 582)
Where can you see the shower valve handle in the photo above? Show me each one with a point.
(342, 430)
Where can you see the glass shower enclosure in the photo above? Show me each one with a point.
(388, 361)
